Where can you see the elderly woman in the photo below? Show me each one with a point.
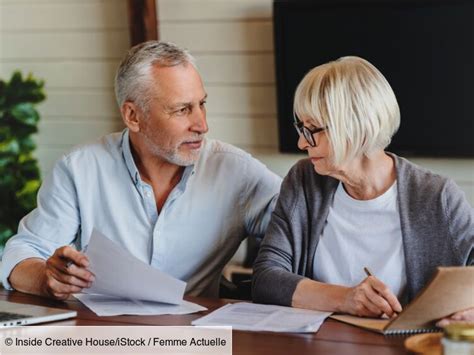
(352, 205)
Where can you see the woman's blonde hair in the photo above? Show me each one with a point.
(354, 101)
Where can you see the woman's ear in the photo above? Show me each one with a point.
(131, 115)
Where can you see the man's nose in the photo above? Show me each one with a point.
(199, 121)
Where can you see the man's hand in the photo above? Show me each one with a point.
(466, 315)
(66, 273)
(371, 298)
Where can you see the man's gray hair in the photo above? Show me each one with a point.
(133, 79)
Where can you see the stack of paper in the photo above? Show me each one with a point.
(115, 306)
(259, 317)
(125, 285)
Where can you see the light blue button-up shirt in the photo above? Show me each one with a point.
(224, 197)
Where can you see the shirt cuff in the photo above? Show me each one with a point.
(10, 260)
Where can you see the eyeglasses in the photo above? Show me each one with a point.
(307, 133)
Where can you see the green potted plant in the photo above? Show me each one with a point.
(19, 172)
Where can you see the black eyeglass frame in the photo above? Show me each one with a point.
(307, 133)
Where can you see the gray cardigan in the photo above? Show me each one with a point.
(436, 220)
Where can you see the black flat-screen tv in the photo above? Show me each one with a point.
(425, 49)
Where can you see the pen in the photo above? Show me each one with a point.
(70, 262)
(367, 271)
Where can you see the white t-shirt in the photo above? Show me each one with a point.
(362, 234)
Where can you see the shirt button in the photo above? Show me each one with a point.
(148, 194)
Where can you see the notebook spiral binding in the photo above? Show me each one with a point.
(412, 331)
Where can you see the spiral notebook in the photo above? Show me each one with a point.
(450, 290)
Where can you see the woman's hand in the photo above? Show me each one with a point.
(370, 298)
(466, 315)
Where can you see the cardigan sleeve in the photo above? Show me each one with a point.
(460, 218)
(274, 278)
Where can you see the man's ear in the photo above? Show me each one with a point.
(131, 115)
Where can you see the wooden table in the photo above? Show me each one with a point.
(332, 338)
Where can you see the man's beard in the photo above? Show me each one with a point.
(172, 154)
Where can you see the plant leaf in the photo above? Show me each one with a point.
(25, 113)
(19, 172)
(10, 146)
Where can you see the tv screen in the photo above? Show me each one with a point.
(425, 49)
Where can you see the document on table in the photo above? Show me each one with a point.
(261, 317)
(114, 306)
(125, 283)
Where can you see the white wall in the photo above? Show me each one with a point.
(75, 45)
(233, 44)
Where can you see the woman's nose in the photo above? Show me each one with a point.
(302, 143)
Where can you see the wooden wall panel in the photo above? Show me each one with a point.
(63, 15)
(75, 46)
(67, 74)
(214, 10)
(219, 37)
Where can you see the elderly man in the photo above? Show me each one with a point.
(172, 198)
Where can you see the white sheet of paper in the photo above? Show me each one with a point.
(114, 306)
(118, 273)
(262, 317)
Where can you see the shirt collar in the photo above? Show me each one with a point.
(128, 157)
(132, 168)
